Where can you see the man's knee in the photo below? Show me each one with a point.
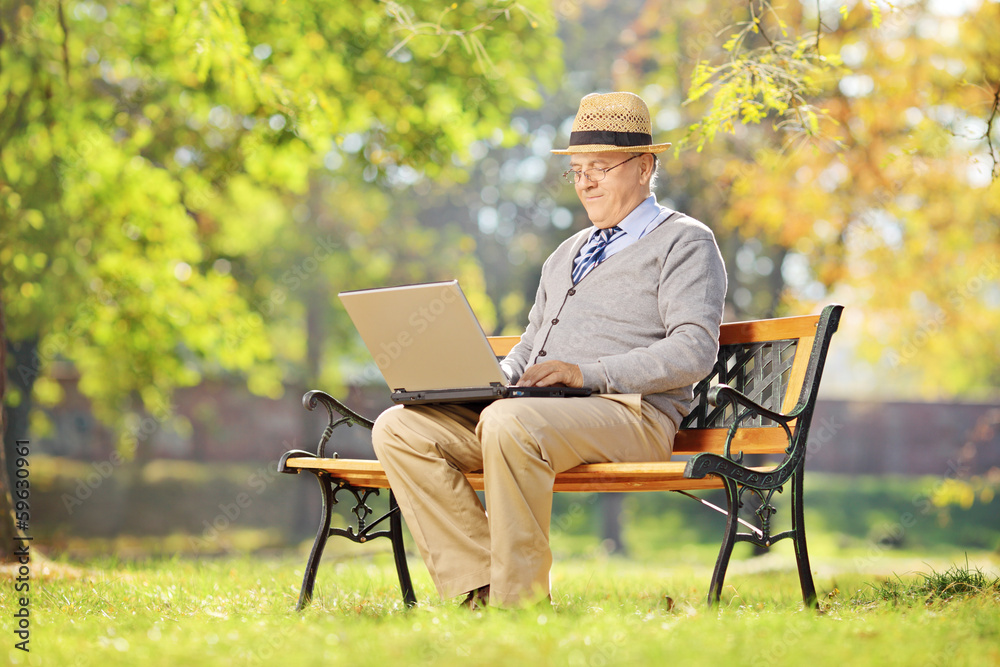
(385, 431)
(504, 426)
(409, 429)
(495, 419)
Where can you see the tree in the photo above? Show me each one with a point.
(137, 140)
(858, 168)
(875, 182)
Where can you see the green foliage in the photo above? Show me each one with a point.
(179, 182)
(878, 195)
(776, 79)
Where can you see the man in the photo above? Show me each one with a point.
(629, 307)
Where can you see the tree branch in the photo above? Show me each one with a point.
(819, 24)
(65, 44)
(758, 21)
(994, 153)
(406, 22)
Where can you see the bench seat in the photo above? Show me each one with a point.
(657, 476)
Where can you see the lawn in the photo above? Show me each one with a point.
(879, 553)
(605, 611)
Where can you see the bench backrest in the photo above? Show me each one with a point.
(777, 363)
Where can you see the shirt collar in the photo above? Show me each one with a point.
(639, 218)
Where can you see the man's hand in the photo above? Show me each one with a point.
(551, 373)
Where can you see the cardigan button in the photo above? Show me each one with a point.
(555, 321)
(542, 353)
(572, 291)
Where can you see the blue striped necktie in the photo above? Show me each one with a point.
(594, 254)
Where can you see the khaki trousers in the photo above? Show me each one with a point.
(519, 444)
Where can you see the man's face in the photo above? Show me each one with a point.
(623, 188)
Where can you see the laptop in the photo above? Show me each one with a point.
(430, 348)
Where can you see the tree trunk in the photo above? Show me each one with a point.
(25, 367)
(611, 523)
(316, 300)
(9, 535)
(316, 303)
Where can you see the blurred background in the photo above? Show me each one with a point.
(185, 187)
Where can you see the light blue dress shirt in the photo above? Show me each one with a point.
(643, 219)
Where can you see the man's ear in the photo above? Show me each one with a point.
(647, 167)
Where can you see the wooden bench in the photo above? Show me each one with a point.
(759, 399)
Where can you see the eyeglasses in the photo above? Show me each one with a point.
(594, 175)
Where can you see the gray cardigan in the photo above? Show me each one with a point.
(644, 321)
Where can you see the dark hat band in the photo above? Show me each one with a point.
(605, 138)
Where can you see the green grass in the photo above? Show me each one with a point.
(902, 582)
(956, 582)
(606, 611)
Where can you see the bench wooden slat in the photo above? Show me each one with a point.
(782, 328)
(749, 440)
(730, 333)
(502, 345)
(794, 389)
(657, 476)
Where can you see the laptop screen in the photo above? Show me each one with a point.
(423, 337)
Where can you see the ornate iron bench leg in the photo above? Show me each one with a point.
(728, 542)
(322, 535)
(329, 488)
(801, 553)
(402, 570)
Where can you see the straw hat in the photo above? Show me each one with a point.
(612, 123)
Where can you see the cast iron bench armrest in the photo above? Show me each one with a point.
(729, 466)
(723, 392)
(333, 407)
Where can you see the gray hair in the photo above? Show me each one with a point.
(655, 176)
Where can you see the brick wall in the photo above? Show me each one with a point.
(948, 439)
(230, 424)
